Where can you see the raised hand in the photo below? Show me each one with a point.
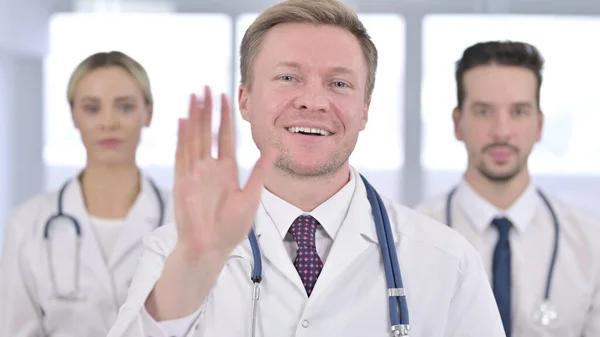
(213, 213)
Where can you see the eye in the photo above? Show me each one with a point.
(521, 111)
(127, 107)
(91, 108)
(482, 112)
(340, 84)
(286, 78)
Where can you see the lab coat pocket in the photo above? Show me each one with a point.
(233, 286)
(59, 312)
(239, 258)
(62, 295)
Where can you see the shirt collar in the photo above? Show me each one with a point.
(329, 214)
(480, 212)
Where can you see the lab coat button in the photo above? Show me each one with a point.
(305, 324)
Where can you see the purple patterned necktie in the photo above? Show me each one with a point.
(307, 262)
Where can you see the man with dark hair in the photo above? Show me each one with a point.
(542, 255)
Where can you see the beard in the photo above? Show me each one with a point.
(503, 177)
(332, 163)
(287, 165)
(499, 177)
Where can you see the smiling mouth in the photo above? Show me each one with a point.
(308, 131)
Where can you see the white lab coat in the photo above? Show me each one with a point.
(27, 305)
(575, 288)
(447, 290)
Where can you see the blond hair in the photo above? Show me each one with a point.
(317, 12)
(110, 59)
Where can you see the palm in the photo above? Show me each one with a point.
(213, 213)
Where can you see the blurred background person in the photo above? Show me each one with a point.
(69, 255)
(542, 255)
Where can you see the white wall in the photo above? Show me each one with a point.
(6, 145)
(23, 42)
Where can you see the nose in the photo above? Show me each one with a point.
(109, 119)
(502, 125)
(312, 97)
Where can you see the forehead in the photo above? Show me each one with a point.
(500, 84)
(107, 81)
(318, 46)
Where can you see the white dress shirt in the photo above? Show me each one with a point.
(575, 288)
(448, 293)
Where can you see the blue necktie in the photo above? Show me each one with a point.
(501, 272)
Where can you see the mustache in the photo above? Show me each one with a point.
(500, 145)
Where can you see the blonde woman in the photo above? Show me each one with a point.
(69, 255)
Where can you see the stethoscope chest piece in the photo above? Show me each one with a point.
(545, 314)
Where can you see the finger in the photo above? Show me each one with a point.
(193, 140)
(182, 160)
(205, 124)
(226, 131)
(253, 189)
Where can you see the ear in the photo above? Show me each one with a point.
(149, 113)
(243, 96)
(365, 115)
(540, 126)
(456, 114)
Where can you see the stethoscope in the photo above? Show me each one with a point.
(73, 295)
(398, 308)
(546, 313)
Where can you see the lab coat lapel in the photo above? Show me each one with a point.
(91, 255)
(349, 243)
(143, 217)
(273, 250)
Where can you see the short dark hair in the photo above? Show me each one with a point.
(507, 53)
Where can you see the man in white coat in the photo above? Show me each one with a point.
(308, 71)
(542, 255)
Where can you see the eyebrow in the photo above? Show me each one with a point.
(478, 104)
(296, 65)
(288, 64)
(118, 99)
(125, 98)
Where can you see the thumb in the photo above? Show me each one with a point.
(264, 165)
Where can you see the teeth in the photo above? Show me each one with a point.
(298, 129)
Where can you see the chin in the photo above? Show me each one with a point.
(500, 174)
(314, 168)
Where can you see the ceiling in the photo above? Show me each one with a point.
(584, 7)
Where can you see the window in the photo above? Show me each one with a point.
(384, 129)
(569, 96)
(181, 54)
(247, 152)
(160, 6)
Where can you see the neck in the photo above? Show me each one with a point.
(110, 191)
(307, 193)
(500, 194)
